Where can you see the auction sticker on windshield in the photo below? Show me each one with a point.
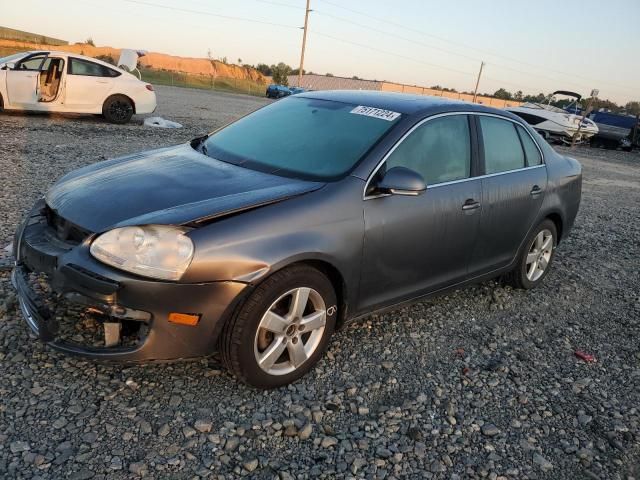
(387, 115)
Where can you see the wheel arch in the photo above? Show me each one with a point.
(332, 272)
(557, 220)
(337, 280)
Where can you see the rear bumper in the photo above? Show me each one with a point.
(146, 102)
(75, 278)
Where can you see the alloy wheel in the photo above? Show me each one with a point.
(290, 331)
(539, 255)
(120, 110)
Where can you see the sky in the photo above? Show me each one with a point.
(532, 46)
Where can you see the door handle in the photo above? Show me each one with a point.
(470, 204)
(102, 81)
(535, 191)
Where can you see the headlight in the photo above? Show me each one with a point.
(156, 251)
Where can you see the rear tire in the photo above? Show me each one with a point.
(535, 259)
(272, 339)
(117, 109)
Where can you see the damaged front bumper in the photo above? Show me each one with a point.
(61, 287)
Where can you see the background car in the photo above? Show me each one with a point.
(52, 81)
(277, 91)
(259, 246)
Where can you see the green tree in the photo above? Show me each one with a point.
(280, 73)
(89, 41)
(518, 96)
(599, 103)
(503, 94)
(539, 98)
(633, 108)
(264, 69)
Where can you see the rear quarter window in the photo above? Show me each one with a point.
(502, 147)
(530, 149)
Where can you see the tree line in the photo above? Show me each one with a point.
(280, 72)
(632, 108)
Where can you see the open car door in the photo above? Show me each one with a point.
(23, 80)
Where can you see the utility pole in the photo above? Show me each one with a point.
(475, 92)
(304, 43)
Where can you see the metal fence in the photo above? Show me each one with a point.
(208, 82)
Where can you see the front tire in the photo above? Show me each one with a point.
(117, 109)
(535, 259)
(282, 329)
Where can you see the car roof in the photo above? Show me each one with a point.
(400, 102)
(76, 55)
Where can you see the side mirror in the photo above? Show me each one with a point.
(402, 181)
(9, 66)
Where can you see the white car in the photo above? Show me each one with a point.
(52, 81)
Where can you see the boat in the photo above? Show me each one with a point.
(555, 124)
(616, 130)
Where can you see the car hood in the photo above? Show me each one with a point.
(174, 185)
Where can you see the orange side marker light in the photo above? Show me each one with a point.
(184, 318)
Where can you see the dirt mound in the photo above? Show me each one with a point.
(160, 61)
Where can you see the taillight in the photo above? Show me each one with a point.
(149, 87)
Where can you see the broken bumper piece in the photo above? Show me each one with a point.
(79, 306)
(77, 324)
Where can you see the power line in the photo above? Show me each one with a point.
(279, 4)
(386, 52)
(200, 12)
(372, 29)
(450, 52)
(210, 14)
(405, 27)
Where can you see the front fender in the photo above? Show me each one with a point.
(326, 225)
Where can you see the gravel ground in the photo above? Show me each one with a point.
(481, 383)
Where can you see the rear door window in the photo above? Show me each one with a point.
(439, 150)
(90, 69)
(502, 147)
(530, 149)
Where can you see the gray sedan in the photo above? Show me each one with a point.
(258, 245)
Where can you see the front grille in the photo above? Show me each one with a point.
(64, 230)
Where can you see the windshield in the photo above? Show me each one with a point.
(543, 106)
(11, 58)
(302, 137)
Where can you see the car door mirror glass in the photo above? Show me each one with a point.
(402, 181)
